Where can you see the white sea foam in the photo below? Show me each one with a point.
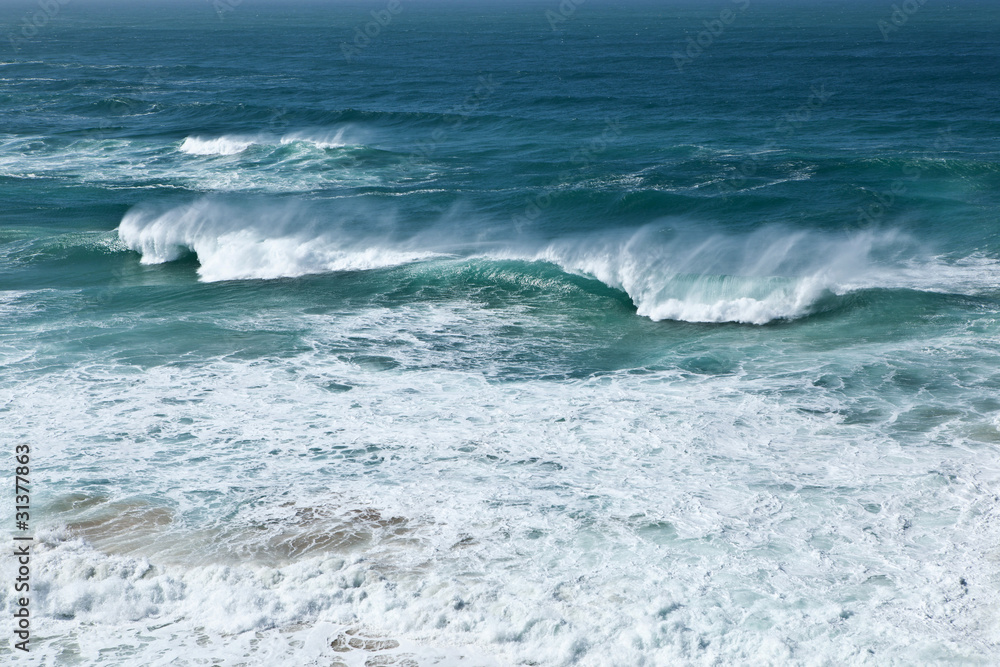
(12, 304)
(771, 274)
(191, 164)
(231, 144)
(234, 243)
(622, 519)
(783, 303)
(320, 139)
(971, 274)
(227, 145)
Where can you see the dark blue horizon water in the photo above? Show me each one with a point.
(510, 333)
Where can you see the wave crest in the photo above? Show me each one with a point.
(237, 243)
(771, 274)
(231, 144)
(692, 275)
(226, 145)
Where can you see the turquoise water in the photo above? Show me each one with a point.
(514, 335)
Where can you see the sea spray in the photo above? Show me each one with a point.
(697, 275)
(235, 242)
(705, 276)
(232, 144)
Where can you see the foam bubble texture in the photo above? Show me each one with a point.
(618, 520)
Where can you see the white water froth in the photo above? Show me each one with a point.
(231, 144)
(146, 163)
(774, 273)
(619, 520)
(771, 274)
(218, 146)
(237, 243)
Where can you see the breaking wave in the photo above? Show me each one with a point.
(238, 243)
(771, 274)
(219, 146)
(694, 276)
(231, 144)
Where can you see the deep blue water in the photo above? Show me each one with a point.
(650, 333)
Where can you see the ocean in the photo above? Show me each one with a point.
(482, 333)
